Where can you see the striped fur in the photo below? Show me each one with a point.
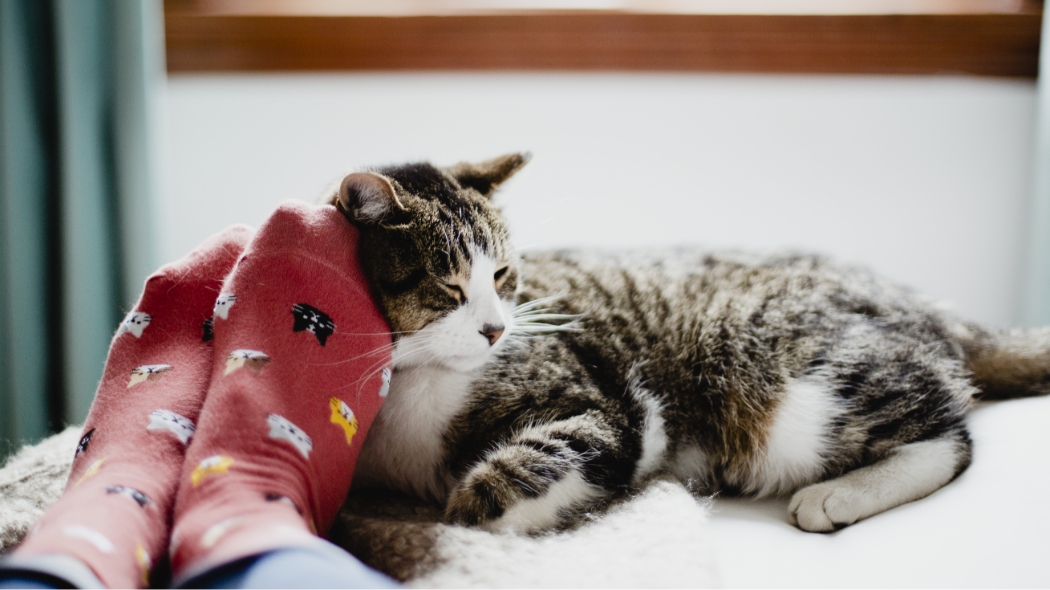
(741, 373)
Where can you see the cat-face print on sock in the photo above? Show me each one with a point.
(275, 497)
(85, 441)
(313, 320)
(254, 360)
(223, 305)
(100, 541)
(219, 530)
(135, 323)
(344, 417)
(141, 499)
(282, 429)
(179, 425)
(214, 465)
(385, 388)
(92, 470)
(150, 372)
(145, 563)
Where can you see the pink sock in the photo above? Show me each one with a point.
(302, 357)
(114, 515)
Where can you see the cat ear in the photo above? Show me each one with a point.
(485, 176)
(366, 198)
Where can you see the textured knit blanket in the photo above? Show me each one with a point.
(657, 538)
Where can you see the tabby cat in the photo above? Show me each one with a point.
(527, 389)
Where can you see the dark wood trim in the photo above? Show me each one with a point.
(976, 42)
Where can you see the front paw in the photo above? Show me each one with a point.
(480, 499)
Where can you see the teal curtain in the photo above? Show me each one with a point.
(80, 82)
(1035, 304)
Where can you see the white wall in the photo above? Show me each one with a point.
(923, 179)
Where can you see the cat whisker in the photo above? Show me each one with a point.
(544, 304)
(534, 310)
(544, 329)
(368, 373)
(379, 350)
(548, 316)
(526, 336)
(533, 327)
(538, 302)
(532, 317)
(433, 355)
(390, 333)
(415, 352)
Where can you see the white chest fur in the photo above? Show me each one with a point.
(404, 448)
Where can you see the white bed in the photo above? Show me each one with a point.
(988, 528)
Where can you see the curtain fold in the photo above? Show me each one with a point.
(1035, 303)
(28, 143)
(79, 86)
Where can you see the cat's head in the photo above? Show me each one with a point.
(438, 257)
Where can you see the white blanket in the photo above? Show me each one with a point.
(658, 538)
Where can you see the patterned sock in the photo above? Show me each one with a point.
(115, 513)
(302, 360)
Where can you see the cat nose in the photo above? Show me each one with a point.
(492, 332)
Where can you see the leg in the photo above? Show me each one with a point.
(910, 472)
(113, 517)
(297, 378)
(23, 583)
(526, 484)
(47, 571)
(323, 566)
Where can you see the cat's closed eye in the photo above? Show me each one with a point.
(498, 277)
(456, 291)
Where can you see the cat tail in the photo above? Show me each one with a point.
(1007, 364)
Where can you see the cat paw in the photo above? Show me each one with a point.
(479, 500)
(824, 507)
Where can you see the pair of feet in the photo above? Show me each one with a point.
(232, 409)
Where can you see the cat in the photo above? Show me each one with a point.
(527, 389)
